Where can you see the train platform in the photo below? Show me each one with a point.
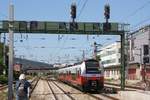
(134, 95)
(134, 83)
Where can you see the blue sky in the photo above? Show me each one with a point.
(47, 48)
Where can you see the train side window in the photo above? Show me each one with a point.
(78, 72)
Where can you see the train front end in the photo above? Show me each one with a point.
(93, 78)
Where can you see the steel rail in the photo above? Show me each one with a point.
(56, 98)
(68, 94)
(34, 86)
(95, 97)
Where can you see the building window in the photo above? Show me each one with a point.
(119, 50)
(1, 25)
(109, 61)
(119, 60)
(108, 53)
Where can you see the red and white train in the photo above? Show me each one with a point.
(87, 75)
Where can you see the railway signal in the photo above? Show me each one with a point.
(107, 11)
(73, 11)
(107, 25)
(73, 24)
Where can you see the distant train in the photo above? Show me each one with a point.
(87, 75)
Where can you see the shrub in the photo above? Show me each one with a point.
(3, 79)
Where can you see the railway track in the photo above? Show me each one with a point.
(36, 80)
(117, 86)
(56, 98)
(61, 89)
(56, 90)
(97, 96)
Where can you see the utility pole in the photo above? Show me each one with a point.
(127, 55)
(140, 62)
(149, 43)
(122, 69)
(83, 55)
(10, 69)
(95, 50)
(0, 37)
(4, 53)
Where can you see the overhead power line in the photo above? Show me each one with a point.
(141, 22)
(3, 15)
(137, 10)
(82, 9)
(78, 4)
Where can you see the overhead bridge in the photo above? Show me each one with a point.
(89, 28)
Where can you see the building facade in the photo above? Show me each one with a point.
(110, 59)
(138, 56)
(139, 53)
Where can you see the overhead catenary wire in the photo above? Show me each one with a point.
(79, 2)
(60, 49)
(139, 23)
(1, 14)
(82, 9)
(137, 10)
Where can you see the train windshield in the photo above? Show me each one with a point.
(92, 67)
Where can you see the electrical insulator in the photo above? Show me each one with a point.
(107, 11)
(73, 11)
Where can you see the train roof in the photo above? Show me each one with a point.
(87, 60)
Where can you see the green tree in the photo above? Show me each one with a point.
(2, 66)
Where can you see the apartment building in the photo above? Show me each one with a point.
(110, 58)
(138, 56)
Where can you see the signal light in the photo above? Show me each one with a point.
(73, 11)
(107, 11)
